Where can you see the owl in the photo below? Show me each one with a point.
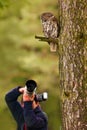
(50, 27)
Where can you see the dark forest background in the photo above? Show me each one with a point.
(23, 57)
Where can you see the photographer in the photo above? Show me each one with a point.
(29, 115)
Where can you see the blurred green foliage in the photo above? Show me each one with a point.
(23, 57)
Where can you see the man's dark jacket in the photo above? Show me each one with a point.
(35, 119)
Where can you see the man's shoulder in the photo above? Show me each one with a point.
(41, 113)
(45, 115)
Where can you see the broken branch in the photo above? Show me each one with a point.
(45, 39)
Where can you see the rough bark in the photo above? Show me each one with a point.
(72, 61)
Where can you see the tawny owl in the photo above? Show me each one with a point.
(51, 28)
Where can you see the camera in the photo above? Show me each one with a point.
(41, 97)
(31, 89)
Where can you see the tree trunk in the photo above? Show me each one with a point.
(72, 60)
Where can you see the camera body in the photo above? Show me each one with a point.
(41, 97)
(38, 97)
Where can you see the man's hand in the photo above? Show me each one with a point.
(26, 97)
(22, 90)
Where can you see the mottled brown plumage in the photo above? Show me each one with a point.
(50, 28)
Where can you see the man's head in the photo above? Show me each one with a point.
(31, 85)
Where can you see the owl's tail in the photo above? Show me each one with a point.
(53, 47)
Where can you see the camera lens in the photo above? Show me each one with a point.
(31, 85)
(30, 88)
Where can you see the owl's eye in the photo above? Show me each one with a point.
(45, 20)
